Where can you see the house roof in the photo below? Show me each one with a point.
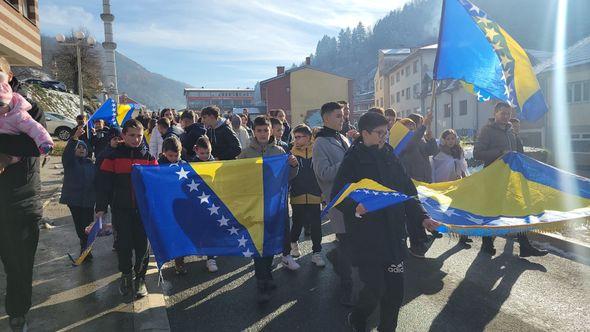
(578, 54)
(288, 72)
(395, 51)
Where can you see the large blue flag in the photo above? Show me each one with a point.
(476, 50)
(515, 194)
(220, 208)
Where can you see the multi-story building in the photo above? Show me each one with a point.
(411, 92)
(226, 99)
(362, 103)
(577, 75)
(301, 91)
(385, 62)
(20, 41)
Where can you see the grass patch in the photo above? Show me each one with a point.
(58, 148)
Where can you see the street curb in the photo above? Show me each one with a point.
(576, 249)
(149, 313)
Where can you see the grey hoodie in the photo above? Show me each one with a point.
(256, 150)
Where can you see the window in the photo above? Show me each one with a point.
(581, 143)
(416, 91)
(447, 110)
(463, 107)
(397, 97)
(403, 93)
(408, 93)
(402, 72)
(381, 84)
(408, 70)
(578, 92)
(415, 66)
(14, 3)
(397, 77)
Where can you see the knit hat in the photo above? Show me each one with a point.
(83, 144)
(5, 90)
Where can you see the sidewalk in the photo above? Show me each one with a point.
(83, 298)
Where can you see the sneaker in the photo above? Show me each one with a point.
(125, 286)
(290, 263)
(140, 288)
(528, 251)
(18, 324)
(295, 249)
(418, 250)
(317, 259)
(212, 265)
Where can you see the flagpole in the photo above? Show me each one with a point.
(432, 104)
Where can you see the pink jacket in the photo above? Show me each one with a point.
(18, 120)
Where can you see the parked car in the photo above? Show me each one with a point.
(54, 85)
(60, 125)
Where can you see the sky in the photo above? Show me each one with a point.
(216, 44)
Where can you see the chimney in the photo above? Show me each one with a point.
(308, 61)
(280, 70)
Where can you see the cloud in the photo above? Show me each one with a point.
(62, 19)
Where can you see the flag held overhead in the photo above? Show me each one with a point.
(476, 50)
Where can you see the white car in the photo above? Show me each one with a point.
(59, 125)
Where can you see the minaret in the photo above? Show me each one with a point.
(109, 49)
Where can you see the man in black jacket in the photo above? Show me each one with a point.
(377, 239)
(113, 187)
(224, 141)
(20, 212)
(192, 131)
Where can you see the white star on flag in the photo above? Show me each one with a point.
(242, 241)
(248, 253)
(213, 209)
(233, 230)
(474, 8)
(450, 212)
(366, 191)
(204, 198)
(182, 174)
(193, 185)
(475, 220)
(173, 164)
(223, 221)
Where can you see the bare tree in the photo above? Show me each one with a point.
(64, 65)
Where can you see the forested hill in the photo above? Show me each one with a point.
(532, 23)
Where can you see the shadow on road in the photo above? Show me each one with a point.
(480, 295)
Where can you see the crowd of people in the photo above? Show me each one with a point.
(98, 160)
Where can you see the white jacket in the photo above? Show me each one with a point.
(156, 143)
(446, 168)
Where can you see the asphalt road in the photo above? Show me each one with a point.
(453, 289)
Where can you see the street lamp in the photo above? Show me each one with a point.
(79, 40)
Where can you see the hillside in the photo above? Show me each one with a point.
(353, 52)
(151, 89)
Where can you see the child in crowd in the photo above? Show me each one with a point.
(15, 119)
(277, 132)
(263, 144)
(202, 150)
(449, 164)
(171, 151)
(305, 196)
(377, 238)
(78, 187)
(114, 189)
